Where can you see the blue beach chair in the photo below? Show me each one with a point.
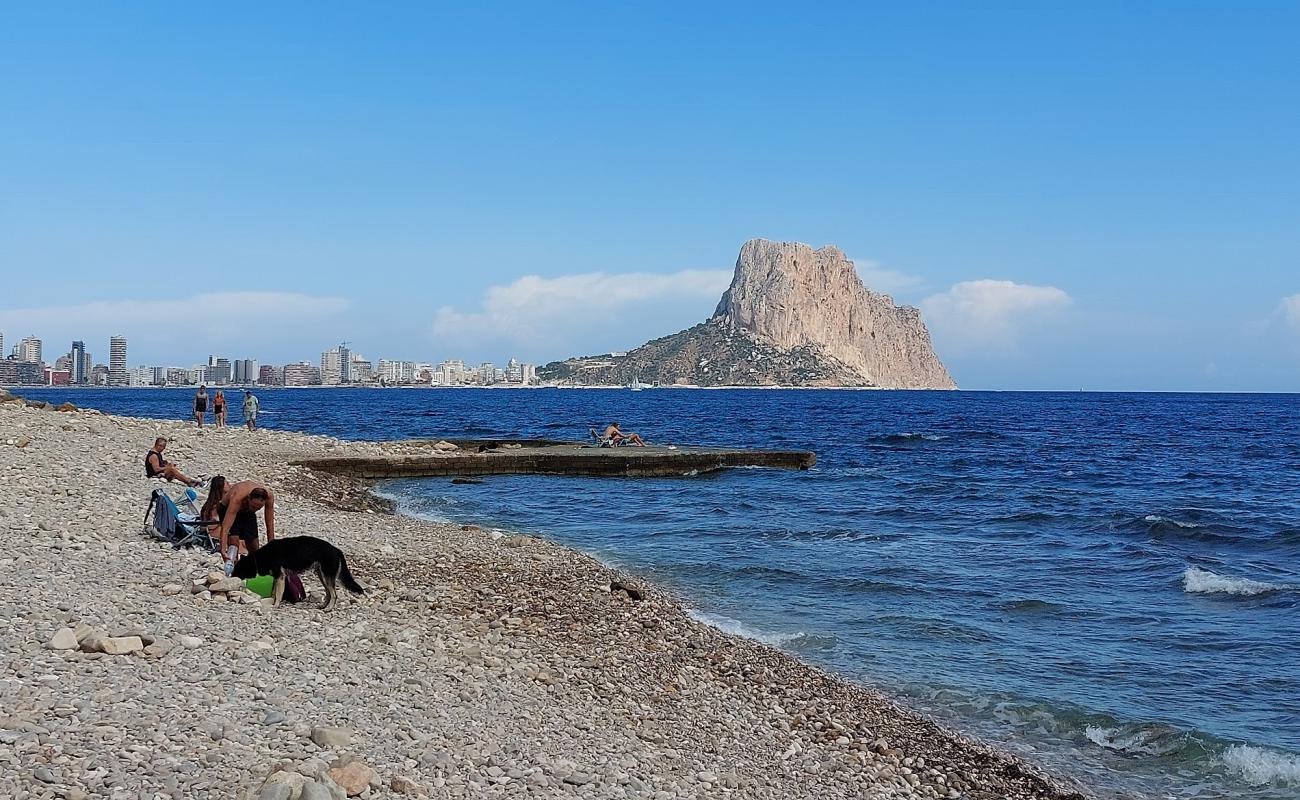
(166, 520)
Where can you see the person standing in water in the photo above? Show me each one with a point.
(201, 404)
(219, 409)
(250, 410)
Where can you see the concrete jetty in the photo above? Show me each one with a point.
(545, 457)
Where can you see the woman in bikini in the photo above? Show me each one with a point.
(219, 408)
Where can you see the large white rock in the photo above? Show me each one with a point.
(788, 295)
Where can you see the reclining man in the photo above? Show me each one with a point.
(155, 466)
(615, 436)
(238, 512)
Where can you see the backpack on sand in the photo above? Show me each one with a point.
(293, 589)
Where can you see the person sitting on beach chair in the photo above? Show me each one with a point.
(155, 466)
(617, 438)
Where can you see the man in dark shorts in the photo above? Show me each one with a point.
(201, 404)
(155, 466)
(238, 512)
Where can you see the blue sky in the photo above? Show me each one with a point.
(1102, 196)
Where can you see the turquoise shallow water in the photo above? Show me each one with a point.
(1107, 582)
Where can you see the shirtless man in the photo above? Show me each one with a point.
(617, 437)
(238, 510)
(155, 466)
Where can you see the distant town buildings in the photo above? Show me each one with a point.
(339, 366)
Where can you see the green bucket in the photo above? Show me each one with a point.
(261, 585)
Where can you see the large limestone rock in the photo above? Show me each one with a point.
(788, 295)
(793, 316)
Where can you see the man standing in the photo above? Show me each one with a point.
(201, 404)
(250, 410)
(238, 513)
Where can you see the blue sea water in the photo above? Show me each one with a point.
(1108, 583)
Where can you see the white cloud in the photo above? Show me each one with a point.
(1289, 309)
(185, 328)
(582, 313)
(989, 313)
(889, 281)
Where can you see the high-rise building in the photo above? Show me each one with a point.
(245, 370)
(29, 350)
(2, 345)
(396, 371)
(268, 375)
(158, 376)
(117, 374)
(99, 375)
(336, 366)
(301, 374)
(80, 371)
(219, 372)
(360, 370)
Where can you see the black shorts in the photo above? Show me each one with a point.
(245, 525)
(200, 408)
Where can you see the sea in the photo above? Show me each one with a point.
(1107, 584)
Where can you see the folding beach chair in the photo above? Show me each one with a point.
(597, 440)
(166, 520)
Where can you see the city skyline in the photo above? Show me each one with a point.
(337, 366)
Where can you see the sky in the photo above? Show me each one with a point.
(1094, 195)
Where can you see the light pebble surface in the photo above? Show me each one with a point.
(476, 666)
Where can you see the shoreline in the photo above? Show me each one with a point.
(529, 673)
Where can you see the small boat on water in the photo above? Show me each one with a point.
(636, 384)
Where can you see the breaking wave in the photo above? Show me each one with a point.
(1202, 581)
(1259, 766)
(797, 641)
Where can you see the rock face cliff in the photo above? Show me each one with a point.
(793, 316)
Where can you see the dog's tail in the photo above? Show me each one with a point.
(345, 575)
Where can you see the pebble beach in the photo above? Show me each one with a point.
(478, 664)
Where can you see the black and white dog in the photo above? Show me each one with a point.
(296, 554)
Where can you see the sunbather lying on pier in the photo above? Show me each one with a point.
(616, 437)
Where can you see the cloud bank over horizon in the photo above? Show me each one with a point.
(549, 318)
(988, 314)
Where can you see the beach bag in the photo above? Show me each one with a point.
(293, 591)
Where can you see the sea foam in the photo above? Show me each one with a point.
(781, 640)
(1260, 766)
(1202, 581)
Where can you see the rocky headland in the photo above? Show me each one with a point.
(479, 663)
(793, 316)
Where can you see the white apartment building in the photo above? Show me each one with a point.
(139, 376)
(117, 373)
(336, 366)
(301, 374)
(29, 350)
(397, 372)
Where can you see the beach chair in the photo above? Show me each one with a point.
(177, 521)
(597, 440)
